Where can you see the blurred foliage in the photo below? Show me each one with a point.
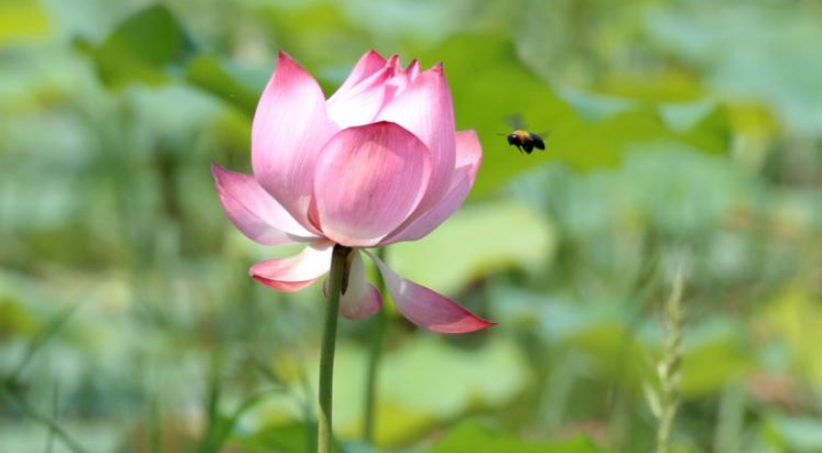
(680, 134)
(140, 48)
(472, 437)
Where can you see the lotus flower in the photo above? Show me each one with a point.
(379, 162)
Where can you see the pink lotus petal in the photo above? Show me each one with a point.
(424, 107)
(361, 299)
(396, 84)
(254, 212)
(427, 308)
(359, 104)
(422, 222)
(413, 70)
(296, 272)
(290, 128)
(370, 63)
(356, 104)
(469, 150)
(368, 180)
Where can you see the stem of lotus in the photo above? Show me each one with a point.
(374, 357)
(339, 267)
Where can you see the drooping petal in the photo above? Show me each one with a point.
(296, 272)
(368, 180)
(423, 221)
(361, 299)
(424, 107)
(370, 63)
(290, 127)
(254, 212)
(427, 308)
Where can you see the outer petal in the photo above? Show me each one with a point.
(361, 299)
(254, 212)
(290, 128)
(469, 157)
(427, 308)
(368, 180)
(296, 272)
(425, 108)
(368, 65)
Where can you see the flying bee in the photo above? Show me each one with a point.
(525, 141)
(522, 139)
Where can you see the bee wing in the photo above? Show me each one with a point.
(515, 121)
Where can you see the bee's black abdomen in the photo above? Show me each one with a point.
(537, 141)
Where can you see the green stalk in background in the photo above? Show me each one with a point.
(665, 402)
(374, 358)
(340, 263)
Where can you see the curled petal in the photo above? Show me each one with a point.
(290, 127)
(427, 308)
(361, 299)
(254, 212)
(469, 157)
(369, 64)
(296, 272)
(424, 107)
(368, 180)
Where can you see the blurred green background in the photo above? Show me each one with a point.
(683, 134)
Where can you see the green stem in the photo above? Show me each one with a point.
(374, 357)
(339, 267)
